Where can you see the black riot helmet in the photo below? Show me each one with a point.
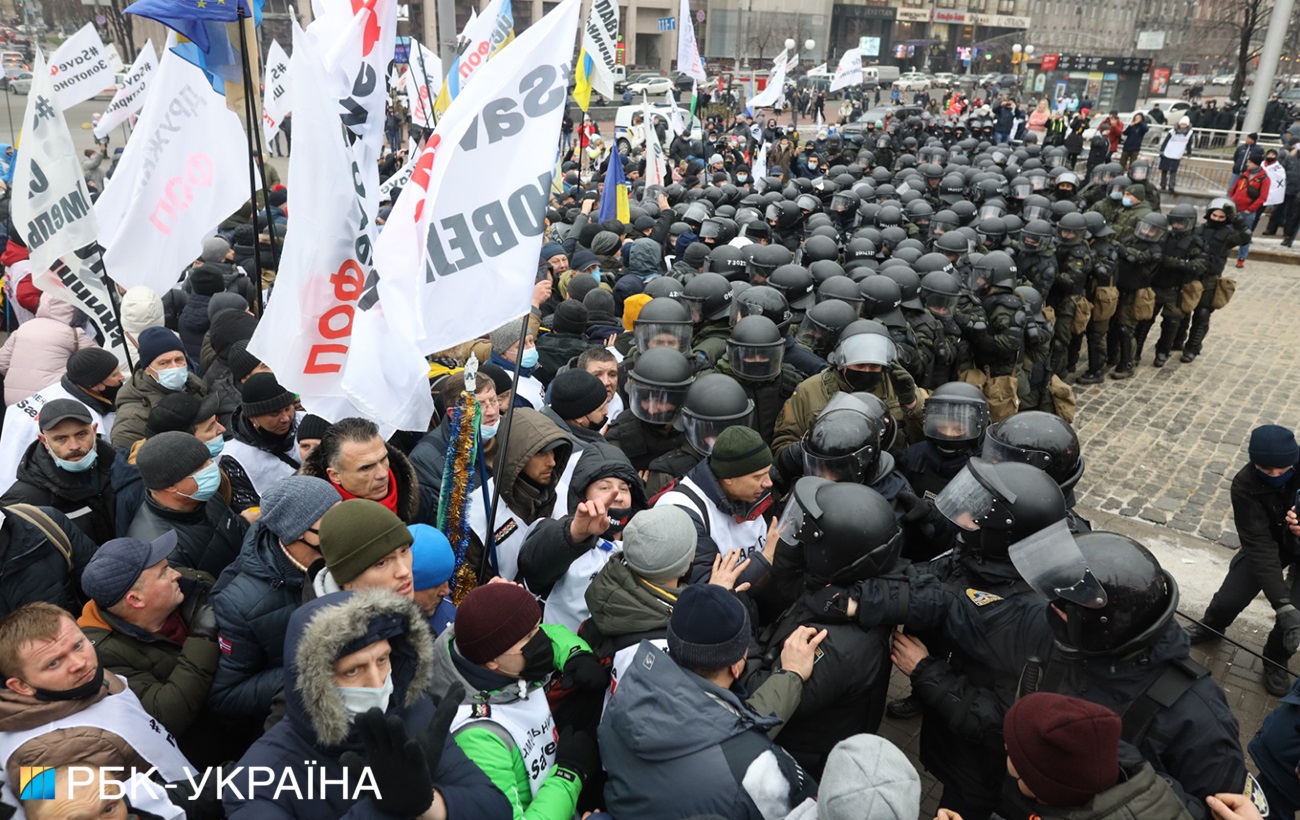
(1152, 227)
(824, 269)
(889, 216)
(952, 188)
(763, 259)
(729, 261)
(783, 215)
(1097, 225)
(795, 284)
(756, 348)
(931, 262)
(842, 445)
(873, 406)
(859, 248)
(713, 403)
(1182, 219)
(1000, 504)
(657, 386)
(944, 221)
(1138, 170)
(708, 295)
(956, 416)
(663, 322)
(846, 532)
(1036, 235)
(891, 236)
(909, 285)
(717, 230)
(1073, 228)
(1036, 207)
(819, 248)
(880, 296)
(940, 292)
(663, 287)
(992, 231)
(842, 288)
(762, 300)
(1114, 598)
(822, 324)
(994, 269)
(953, 245)
(1043, 440)
(844, 205)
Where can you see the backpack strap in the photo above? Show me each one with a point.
(1178, 676)
(700, 505)
(53, 532)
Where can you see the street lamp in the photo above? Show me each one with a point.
(789, 44)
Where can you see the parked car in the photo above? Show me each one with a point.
(652, 85)
(635, 77)
(913, 81)
(1001, 81)
(627, 125)
(944, 79)
(883, 115)
(21, 84)
(1223, 79)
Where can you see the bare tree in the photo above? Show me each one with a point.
(762, 34)
(1241, 23)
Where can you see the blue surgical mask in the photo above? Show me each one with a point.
(488, 431)
(1276, 481)
(215, 445)
(742, 177)
(529, 358)
(1128, 203)
(173, 378)
(1117, 195)
(357, 700)
(596, 274)
(208, 479)
(87, 461)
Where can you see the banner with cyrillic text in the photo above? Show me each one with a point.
(80, 68)
(129, 99)
(275, 100)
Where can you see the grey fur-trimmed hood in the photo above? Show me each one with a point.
(328, 628)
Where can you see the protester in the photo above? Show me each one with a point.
(36, 354)
(263, 449)
(161, 370)
(432, 564)
(360, 464)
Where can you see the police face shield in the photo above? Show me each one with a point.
(702, 433)
(710, 230)
(1066, 235)
(850, 468)
(975, 492)
(1148, 232)
(864, 348)
(1032, 212)
(757, 362)
(940, 304)
(1137, 173)
(1038, 182)
(1021, 189)
(954, 427)
(883, 141)
(999, 452)
(991, 210)
(1032, 241)
(977, 279)
(649, 334)
(941, 225)
(815, 336)
(1050, 561)
(653, 403)
(798, 524)
(843, 207)
(1181, 224)
(1100, 176)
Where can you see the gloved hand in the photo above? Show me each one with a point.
(578, 753)
(203, 622)
(1288, 620)
(915, 508)
(1033, 335)
(433, 740)
(585, 671)
(904, 384)
(832, 605)
(397, 765)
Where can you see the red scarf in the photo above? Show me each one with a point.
(389, 501)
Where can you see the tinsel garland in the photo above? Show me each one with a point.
(454, 500)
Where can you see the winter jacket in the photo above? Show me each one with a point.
(403, 474)
(1276, 747)
(1246, 184)
(86, 498)
(33, 569)
(625, 609)
(316, 730)
(530, 433)
(253, 598)
(36, 354)
(137, 397)
(254, 459)
(193, 324)
(1133, 135)
(721, 525)
(554, 351)
(815, 392)
(1259, 512)
(676, 745)
(207, 539)
(641, 441)
(1140, 795)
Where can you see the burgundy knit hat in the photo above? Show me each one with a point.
(493, 618)
(1066, 750)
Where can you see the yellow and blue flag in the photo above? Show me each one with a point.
(582, 79)
(613, 199)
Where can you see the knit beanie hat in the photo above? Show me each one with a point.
(207, 280)
(357, 533)
(181, 412)
(575, 393)
(294, 504)
(614, 226)
(599, 300)
(1066, 750)
(432, 560)
(241, 361)
(1272, 445)
(580, 286)
(551, 249)
(501, 380)
(696, 254)
(493, 618)
(154, 342)
(225, 301)
(91, 365)
(504, 337)
(632, 308)
(142, 307)
(167, 458)
(868, 778)
(311, 427)
(606, 243)
(659, 543)
(570, 317)
(228, 327)
(583, 260)
(262, 394)
(739, 451)
(214, 249)
(709, 628)
(586, 234)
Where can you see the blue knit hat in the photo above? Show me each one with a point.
(155, 341)
(709, 628)
(552, 249)
(1272, 445)
(432, 561)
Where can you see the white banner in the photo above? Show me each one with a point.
(275, 100)
(759, 165)
(483, 38)
(656, 161)
(403, 175)
(675, 118)
(129, 99)
(770, 94)
(184, 171)
(424, 73)
(600, 41)
(324, 337)
(471, 221)
(80, 67)
(849, 71)
(689, 61)
(53, 214)
(355, 42)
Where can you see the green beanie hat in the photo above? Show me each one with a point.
(354, 535)
(739, 451)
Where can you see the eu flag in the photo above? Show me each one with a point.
(187, 17)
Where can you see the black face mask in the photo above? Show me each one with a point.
(618, 518)
(81, 692)
(109, 394)
(539, 658)
(863, 382)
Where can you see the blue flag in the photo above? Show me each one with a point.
(203, 24)
(614, 202)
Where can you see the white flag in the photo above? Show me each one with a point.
(759, 166)
(184, 171)
(689, 61)
(325, 337)
(129, 99)
(468, 228)
(52, 211)
(275, 100)
(600, 42)
(656, 161)
(849, 71)
(423, 77)
(80, 67)
(675, 114)
(769, 96)
(355, 43)
(400, 178)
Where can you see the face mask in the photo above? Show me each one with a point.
(618, 518)
(173, 378)
(208, 479)
(862, 381)
(1278, 481)
(596, 274)
(529, 358)
(87, 461)
(110, 393)
(1128, 203)
(1117, 195)
(215, 445)
(488, 431)
(81, 692)
(539, 658)
(742, 177)
(357, 700)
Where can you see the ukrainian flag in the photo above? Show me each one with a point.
(582, 78)
(613, 200)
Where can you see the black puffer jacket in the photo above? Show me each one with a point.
(33, 569)
(90, 494)
(207, 539)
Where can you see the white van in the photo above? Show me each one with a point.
(879, 75)
(631, 136)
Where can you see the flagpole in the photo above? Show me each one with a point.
(115, 302)
(253, 131)
(505, 434)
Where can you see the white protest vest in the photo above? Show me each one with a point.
(20, 428)
(510, 531)
(531, 390)
(561, 507)
(621, 661)
(1277, 184)
(120, 714)
(728, 533)
(263, 468)
(1176, 148)
(567, 603)
(529, 724)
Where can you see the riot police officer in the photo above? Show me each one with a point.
(1104, 298)
(1138, 260)
(755, 360)
(1182, 262)
(708, 296)
(656, 389)
(713, 403)
(996, 351)
(956, 418)
(1045, 441)
(1074, 263)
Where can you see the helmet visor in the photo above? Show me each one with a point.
(977, 279)
(865, 348)
(1032, 212)
(695, 304)
(940, 304)
(654, 403)
(650, 335)
(850, 467)
(815, 336)
(964, 501)
(1038, 182)
(799, 520)
(999, 451)
(756, 362)
(702, 433)
(955, 423)
(991, 210)
(1050, 561)
(1021, 190)
(1150, 233)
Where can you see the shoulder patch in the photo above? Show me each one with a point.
(981, 598)
(505, 531)
(1256, 794)
(480, 711)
